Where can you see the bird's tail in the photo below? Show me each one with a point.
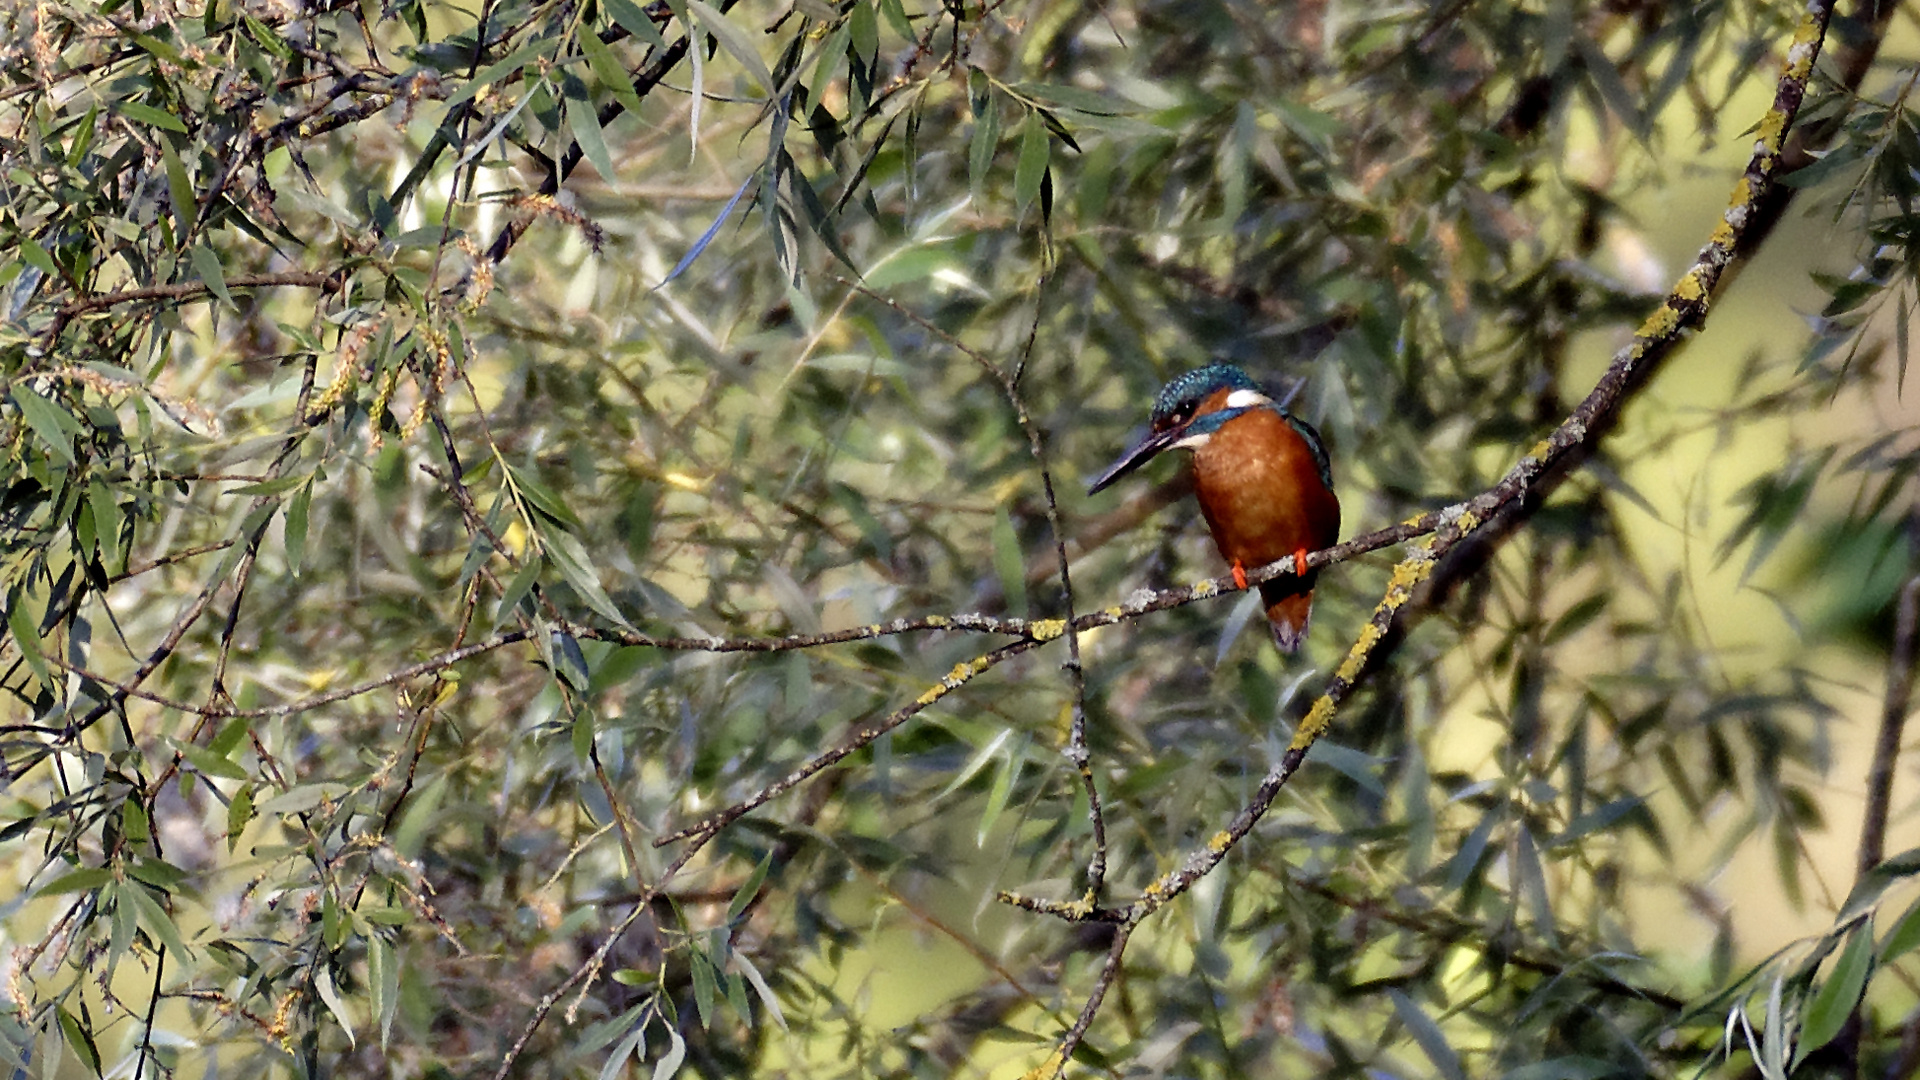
(1289, 603)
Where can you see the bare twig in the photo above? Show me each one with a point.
(1893, 721)
(181, 290)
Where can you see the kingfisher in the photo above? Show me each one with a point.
(1261, 475)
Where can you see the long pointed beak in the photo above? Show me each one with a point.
(1143, 452)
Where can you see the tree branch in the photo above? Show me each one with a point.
(1535, 476)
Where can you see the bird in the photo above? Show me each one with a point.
(1261, 476)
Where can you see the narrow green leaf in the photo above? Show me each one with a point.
(1570, 1067)
(270, 487)
(736, 988)
(1466, 860)
(1826, 166)
(1009, 564)
(207, 265)
(179, 191)
(106, 515)
(1901, 334)
(1827, 1013)
(1058, 129)
(582, 736)
(734, 40)
(612, 74)
(163, 50)
(975, 763)
(760, 989)
(636, 22)
(706, 238)
(1773, 1037)
(91, 877)
(855, 505)
(83, 134)
(594, 1036)
(49, 420)
(1870, 886)
(301, 798)
(150, 116)
(37, 256)
(543, 499)
(1904, 935)
(997, 796)
(570, 556)
(1362, 769)
(298, 511)
(1316, 127)
(26, 637)
(335, 927)
(1612, 87)
(159, 873)
(896, 15)
(1075, 98)
(126, 919)
(1034, 149)
(1597, 819)
(239, 813)
(210, 764)
(697, 97)
(749, 888)
(570, 662)
(1532, 881)
(79, 1038)
(323, 983)
(512, 63)
(1576, 617)
(133, 821)
(517, 590)
(817, 215)
(585, 123)
(155, 919)
(624, 1050)
(834, 51)
(267, 38)
(986, 135)
(865, 30)
(229, 737)
(704, 986)
(1427, 1034)
(383, 978)
(675, 1056)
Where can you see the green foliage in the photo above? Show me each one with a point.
(396, 515)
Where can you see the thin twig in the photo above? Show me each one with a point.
(1893, 721)
(1031, 631)
(181, 290)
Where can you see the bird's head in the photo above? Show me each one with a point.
(1187, 413)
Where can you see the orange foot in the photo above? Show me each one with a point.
(1239, 575)
(1300, 561)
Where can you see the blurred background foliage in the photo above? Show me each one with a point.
(368, 367)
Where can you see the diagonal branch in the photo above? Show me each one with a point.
(1528, 482)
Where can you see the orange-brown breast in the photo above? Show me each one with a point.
(1263, 499)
